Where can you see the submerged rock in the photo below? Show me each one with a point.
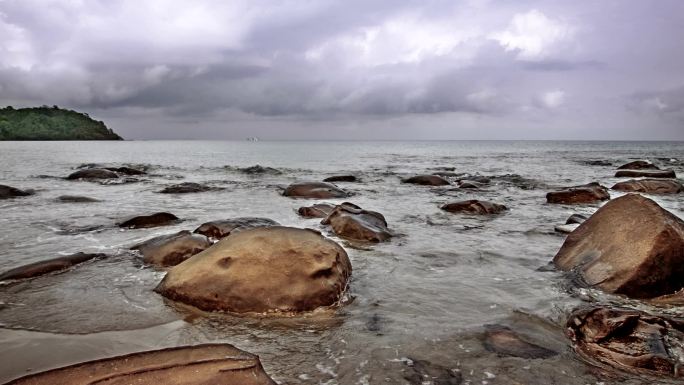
(266, 269)
(670, 174)
(76, 199)
(7, 192)
(588, 193)
(351, 222)
(93, 173)
(474, 206)
(48, 266)
(187, 365)
(222, 229)
(630, 340)
(650, 186)
(576, 218)
(126, 170)
(427, 180)
(639, 165)
(153, 220)
(470, 184)
(340, 178)
(258, 169)
(425, 372)
(503, 341)
(630, 246)
(186, 188)
(170, 250)
(317, 190)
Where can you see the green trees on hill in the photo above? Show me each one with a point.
(51, 123)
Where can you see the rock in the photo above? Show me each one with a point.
(265, 269)
(588, 193)
(427, 180)
(187, 365)
(639, 165)
(503, 341)
(76, 199)
(425, 372)
(351, 222)
(257, 169)
(317, 190)
(474, 207)
(630, 340)
(222, 229)
(153, 220)
(670, 174)
(469, 184)
(596, 162)
(186, 188)
(575, 218)
(7, 192)
(340, 178)
(43, 267)
(170, 250)
(319, 210)
(566, 229)
(93, 173)
(630, 246)
(126, 170)
(650, 186)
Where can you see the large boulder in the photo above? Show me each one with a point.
(351, 222)
(650, 186)
(186, 365)
(170, 250)
(7, 192)
(266, 269)
(186, 188)
(630, 246)
(427, 180)
(223, 228)
(93, 173)
(628, 339)
(669, 174)
(474, 206)
(639, 165)
(588, 193)
(48, 266)
(153, 220)
(317, 190)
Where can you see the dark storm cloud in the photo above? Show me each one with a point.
(425, 68)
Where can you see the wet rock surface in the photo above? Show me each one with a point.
(188, 365)
(566, 228)
(588, 193)
(420, 372)
(650, 186)
(316, 190)
(93, 173)
(351, 222)
(319, 210)
(187, 188)
(76, 199)
(470, 184)
(51, 265)
(427, 180)
(639, 165)
(629, 340)
(152, 220)
(7, 192)
(669, 174)
(340, 178)
(576, 219)
(124, 170)
(223, 228)
(474, 206)
(504, 341)
(258, 169)
(170, 250)
(266, 269)
(630, 246)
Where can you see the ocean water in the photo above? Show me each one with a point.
(425, 295)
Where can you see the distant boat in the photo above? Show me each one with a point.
(252, 139)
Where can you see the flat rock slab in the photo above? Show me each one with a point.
(223, 228)
(153, 220)
(191, 365)
(503, 341)
(316, 190)
(474, 206)
(566, 229)
(170, 250)
(427, 180)
(650, 186)
(670, 174)
(76, 199)
(48, 266)
(588, 193)
(340, 178)
(187, 188)
(7, 192)
(628, 339)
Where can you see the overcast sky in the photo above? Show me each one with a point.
(352, 69)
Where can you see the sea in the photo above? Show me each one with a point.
(424, 296)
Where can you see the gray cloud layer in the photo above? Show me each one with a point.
(374, 69)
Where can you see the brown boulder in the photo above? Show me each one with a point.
(93, 173)
(222, 229)
(639, 165)
(650, 186)
(630, 246)
(44, 267)
(170, 250)
(319, 210)
(588, 193)
(627, 339)
(266, 269)
(351, 222)
(427, 180)
(474, 206)
(7, 192)
(185, 365)
(316, 190)
(154, 220)
(670, 174)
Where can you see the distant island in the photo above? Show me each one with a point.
(51, 123)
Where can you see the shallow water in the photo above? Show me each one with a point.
(425, 295)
